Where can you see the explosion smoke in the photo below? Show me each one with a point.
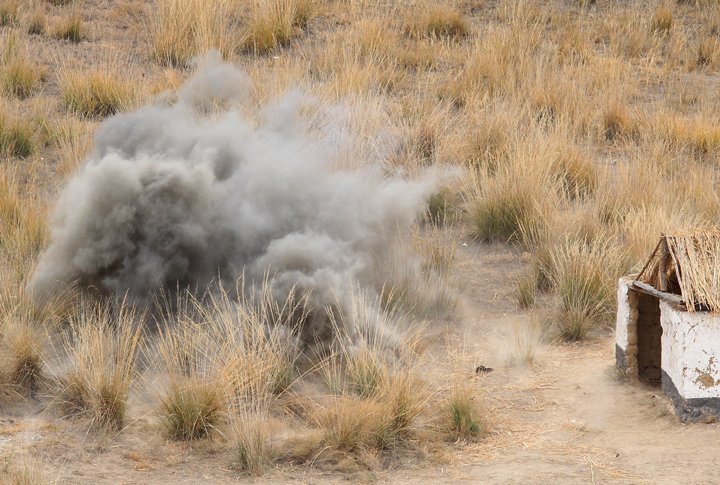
(171, 197)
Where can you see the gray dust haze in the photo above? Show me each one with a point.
(179, 194)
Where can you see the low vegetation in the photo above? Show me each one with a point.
(95, 94)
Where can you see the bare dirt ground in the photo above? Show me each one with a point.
(568, 419)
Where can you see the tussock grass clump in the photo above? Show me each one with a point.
(95, 94)
(22, 469)
(662, 20)
(253, 443)
(101, 345)
(73, 139)
(9, 10)
(16, 136)
(71, 28)
(525, 289)
(193, 409)
(575, 173)
(226, 348)
(527, 341)
(707, 52)
(20, 77)
(182, 29)
(37, 22)
(21, 364)
(438, 21)
(24, 229)
(376, 396)
(273, 23)
(585, 276)
(516, 196)
(463, 414)
(351, 424)
(616, 122)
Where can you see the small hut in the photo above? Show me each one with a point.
(668, 323)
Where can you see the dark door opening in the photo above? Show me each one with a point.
(649, 333)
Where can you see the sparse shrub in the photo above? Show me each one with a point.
(662, 20)
(95, 94)
(438, 21)
(463, 414)
(102, 344)
(72, 28)
(59, 3)
(20, 77)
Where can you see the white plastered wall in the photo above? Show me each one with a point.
(626, 323)
(691, 351)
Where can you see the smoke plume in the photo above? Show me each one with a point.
(180, 193)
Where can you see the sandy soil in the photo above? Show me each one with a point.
(570, 418)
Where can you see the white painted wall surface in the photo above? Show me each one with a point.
(624, 313)
(691, 351)
(626, 323)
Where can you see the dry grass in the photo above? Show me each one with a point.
(515, 196)
(96, 93)
(180, 30)
(16, 136)
(252, 438)
(463, 414)
(20, 77)
(71, 28)
(22, 469)
(617, 122)
(37, 21)
(9, 10)
(438, 22)
(527, 342)
(101, 345)
(212, 353)
(585, 276)
(21, 365)
(525, 289)
(273, 23)
(662, 20)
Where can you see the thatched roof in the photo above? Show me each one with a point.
(687, 264)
